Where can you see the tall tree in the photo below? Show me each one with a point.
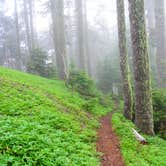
(18, 58)
(127, 92)
(8, 49)
(80, 34)
(150, 17)
(57, 11)
(31, 23)
(26, 18)
(86, 39)
(149, 8)
(160, 42)
(69, 30)
(143, 99)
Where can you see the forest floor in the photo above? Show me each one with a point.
(108, 144)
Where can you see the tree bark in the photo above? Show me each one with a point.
(127, 92)
(160, 43)
(18, 58)
(143, 98)
(26, 18)
(57, 11)
(150, 17)
(86, 37)
(80, 34)
(31, 23)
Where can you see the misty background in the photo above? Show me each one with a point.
(102, 36)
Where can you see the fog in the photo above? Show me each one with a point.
(101, 33)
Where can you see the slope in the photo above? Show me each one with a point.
(43, 123)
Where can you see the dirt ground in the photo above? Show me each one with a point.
(108, 144)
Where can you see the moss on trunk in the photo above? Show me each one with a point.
(127, 92)
(143, 98)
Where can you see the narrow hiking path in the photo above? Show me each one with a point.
(108, 144)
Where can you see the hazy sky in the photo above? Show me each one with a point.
(103, 10)
(96, 9)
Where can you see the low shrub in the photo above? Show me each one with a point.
(37, 64)
(80, 82)
(159, 106)
(106, 101)
(90, 104)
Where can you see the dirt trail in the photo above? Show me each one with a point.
(108, 144)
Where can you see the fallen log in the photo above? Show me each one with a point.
(139, 137)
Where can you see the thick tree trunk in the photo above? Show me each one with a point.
(160, 43)
(18, 58)
(127, 92)
(143, 98)
(80, 34)
(57, 10)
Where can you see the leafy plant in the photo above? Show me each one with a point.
(38, 65)
(37, 62)
(50, 71)
(159, 106)
(80, 82)
(90, 104)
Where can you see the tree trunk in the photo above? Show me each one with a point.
(150, 10)
(143, 98)
(18, 58)
(31, 23)
(86, 40)
(26, 18)
(127, 92)
(160, 43)
(57, 11)
(80, 34)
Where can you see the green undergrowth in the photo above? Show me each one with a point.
(134, 153)
(44, 123)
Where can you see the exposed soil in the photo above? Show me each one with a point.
(108, 144)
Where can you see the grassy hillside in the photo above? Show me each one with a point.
(43, 123)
